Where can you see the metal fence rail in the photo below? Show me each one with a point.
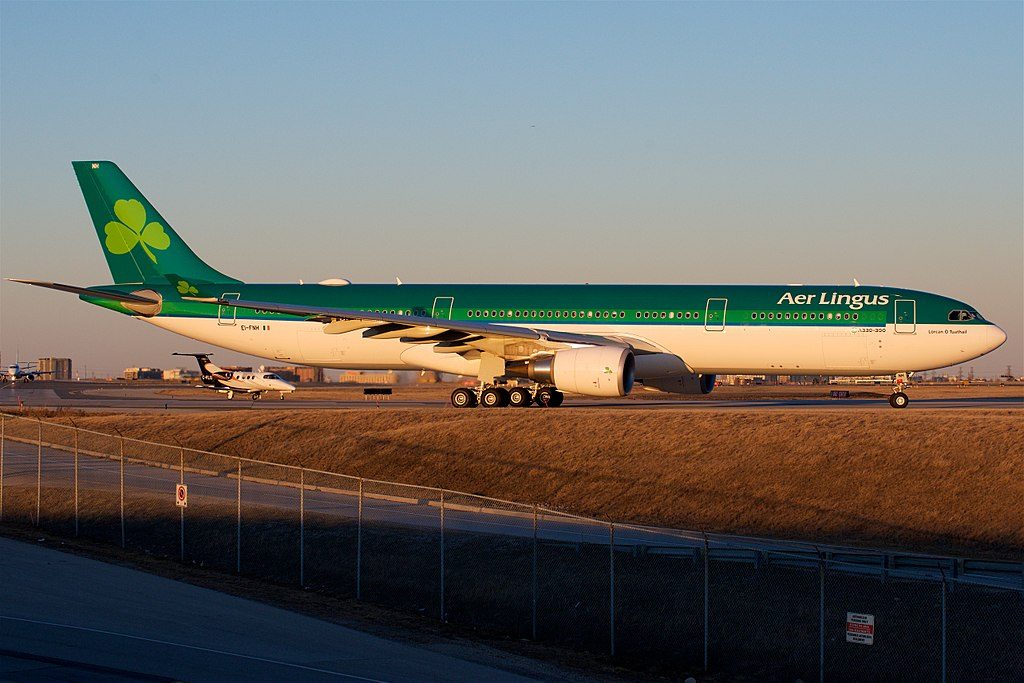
(681, 600)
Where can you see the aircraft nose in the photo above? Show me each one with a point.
(996, 337)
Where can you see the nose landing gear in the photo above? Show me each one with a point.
(899, 398)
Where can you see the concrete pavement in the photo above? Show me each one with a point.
(64, 616)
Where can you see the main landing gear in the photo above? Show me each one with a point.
(899, 398)
(499, 397)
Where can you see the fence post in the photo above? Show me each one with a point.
(76, 474)
(238, 521)
(707, 552)
(611, 586)
(3, 427)
(39, 469)
(442, 555)
(359, 545)
(533, 611)
(181, 510)
(122, 491)
(821, 617)
(302, 527)
(943, 625)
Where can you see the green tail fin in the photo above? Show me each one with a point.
(139, 244)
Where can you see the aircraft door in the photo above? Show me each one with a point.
(443, 307)
(906, 316)
(714, 315)
(226, 314)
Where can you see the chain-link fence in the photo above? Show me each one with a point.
(657, 599)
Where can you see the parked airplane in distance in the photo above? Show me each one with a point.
(23, 372)
(525, 343)
(230, 382)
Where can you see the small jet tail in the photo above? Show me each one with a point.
(140, 246)
(207, 369)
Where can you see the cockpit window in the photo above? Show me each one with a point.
(961, 315)
(270, 376)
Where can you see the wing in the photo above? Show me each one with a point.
(447, 336)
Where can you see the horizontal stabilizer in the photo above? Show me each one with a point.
(87, 291)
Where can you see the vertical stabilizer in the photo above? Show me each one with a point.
(140, 246)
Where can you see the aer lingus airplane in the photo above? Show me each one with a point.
(525, 343)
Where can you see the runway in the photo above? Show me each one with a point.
(128, 398)
(66, 617)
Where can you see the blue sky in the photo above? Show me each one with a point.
(660, 142)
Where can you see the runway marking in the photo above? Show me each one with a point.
(194, 647)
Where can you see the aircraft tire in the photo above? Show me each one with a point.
(899, 400)
(519, 397)
(231, 395)
(494, 397)
(256, 396)
(463, 398)
(549, 397)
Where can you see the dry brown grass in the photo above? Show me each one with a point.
(440, 392)
(950, 481)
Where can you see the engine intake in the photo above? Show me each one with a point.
(590, 371)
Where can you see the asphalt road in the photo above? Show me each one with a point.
(89, 396)
(65, 617)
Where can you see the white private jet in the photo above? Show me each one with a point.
(229, 382)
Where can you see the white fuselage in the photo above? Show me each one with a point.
(735, 349)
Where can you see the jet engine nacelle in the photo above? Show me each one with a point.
(689, 383)
(591, 371)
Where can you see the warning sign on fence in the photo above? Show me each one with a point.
(860, 628)
(181, 495)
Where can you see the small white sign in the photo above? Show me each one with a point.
(860, 628)
(181, 495)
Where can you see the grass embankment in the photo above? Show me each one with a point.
(943, 481)
(782, 392)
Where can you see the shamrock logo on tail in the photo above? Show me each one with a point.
(133, 229)
(186, 288)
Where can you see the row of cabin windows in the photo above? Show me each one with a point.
(478, 313)
(803, 316)
(485, 313)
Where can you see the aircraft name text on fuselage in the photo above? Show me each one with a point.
(853, 301)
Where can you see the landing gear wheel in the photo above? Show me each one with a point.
(463, 398)
(519, 397)
(549, 397)
(899, 400)
(231, 395)
(256, 396)
(494, 397)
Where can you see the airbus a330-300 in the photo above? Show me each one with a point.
(526, 343)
